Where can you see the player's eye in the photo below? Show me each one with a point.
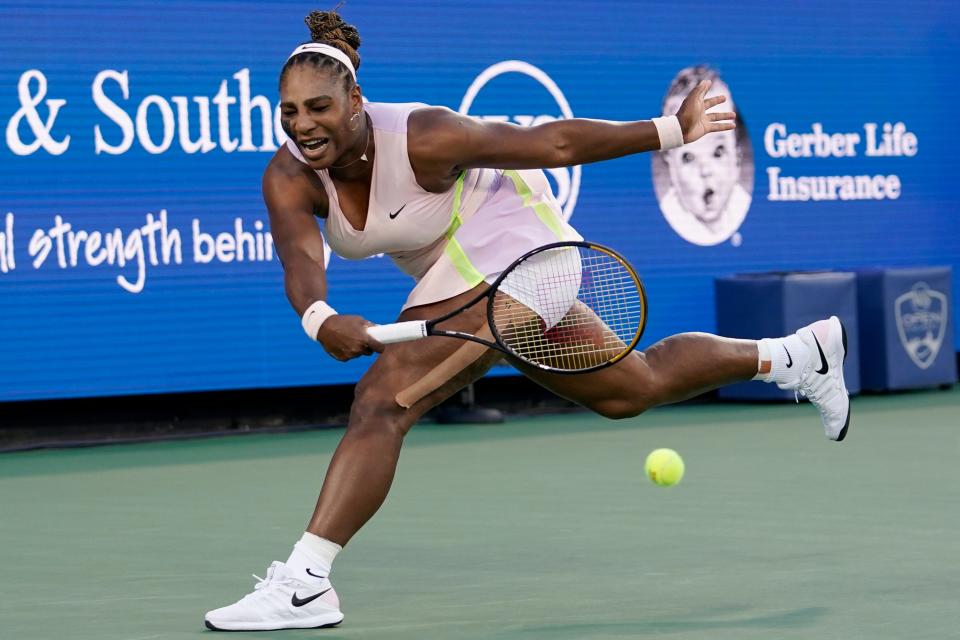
(720, 151)
(687, 157)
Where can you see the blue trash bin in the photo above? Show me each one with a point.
(906, 328)
(770, 305)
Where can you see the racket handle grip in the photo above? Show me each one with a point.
(398, 331)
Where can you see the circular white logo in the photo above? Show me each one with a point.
(566, 180)
(705, 187)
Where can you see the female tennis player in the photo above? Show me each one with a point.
(454, 201)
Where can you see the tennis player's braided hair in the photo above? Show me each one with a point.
(327, 27)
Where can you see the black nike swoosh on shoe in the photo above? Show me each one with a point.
(789, 364)
(313, 574)
(824, 367)
(299, 602)
(394, 215)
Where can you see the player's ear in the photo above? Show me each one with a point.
(356, 99)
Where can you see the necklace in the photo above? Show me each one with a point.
(363, 156)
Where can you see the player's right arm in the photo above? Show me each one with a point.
(443, 143)
(292, 200)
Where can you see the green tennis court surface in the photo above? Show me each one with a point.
(539, 528)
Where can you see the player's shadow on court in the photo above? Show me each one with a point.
(794, 619)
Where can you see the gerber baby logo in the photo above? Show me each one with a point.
(921, 315)
(705, 187)
(518, 100)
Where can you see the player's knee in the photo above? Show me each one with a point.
(619, 409)
(375, 411)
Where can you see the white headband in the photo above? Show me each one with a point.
(327, 50)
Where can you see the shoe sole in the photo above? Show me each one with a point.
(322, 626)
(846, 425)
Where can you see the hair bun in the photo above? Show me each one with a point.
(328, 26)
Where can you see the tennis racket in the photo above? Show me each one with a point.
(568, 307)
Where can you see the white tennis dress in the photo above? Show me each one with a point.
(448, 242)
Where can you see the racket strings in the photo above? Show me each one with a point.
(569, 308)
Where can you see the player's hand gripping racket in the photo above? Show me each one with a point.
(569, 307)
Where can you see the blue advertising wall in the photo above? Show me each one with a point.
(134, 250)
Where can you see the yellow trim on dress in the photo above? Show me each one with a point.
(547, 215)
(453, 248)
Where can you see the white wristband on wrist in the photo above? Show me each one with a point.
(315, 315)
(671, 135)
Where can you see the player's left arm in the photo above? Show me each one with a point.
(442, 141)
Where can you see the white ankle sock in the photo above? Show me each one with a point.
(786, 356)
(313, 553)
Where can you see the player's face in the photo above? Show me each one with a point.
(315, 112)
(704, 174)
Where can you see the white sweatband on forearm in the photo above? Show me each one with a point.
(315, 315)
(671, 135)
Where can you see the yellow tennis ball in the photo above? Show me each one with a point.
(664, 467)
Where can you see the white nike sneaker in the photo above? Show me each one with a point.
(281, 601)
(821, 377)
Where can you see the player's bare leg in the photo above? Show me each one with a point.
(363, 465)
(674, 369)
(685, 365)
(298, 593)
